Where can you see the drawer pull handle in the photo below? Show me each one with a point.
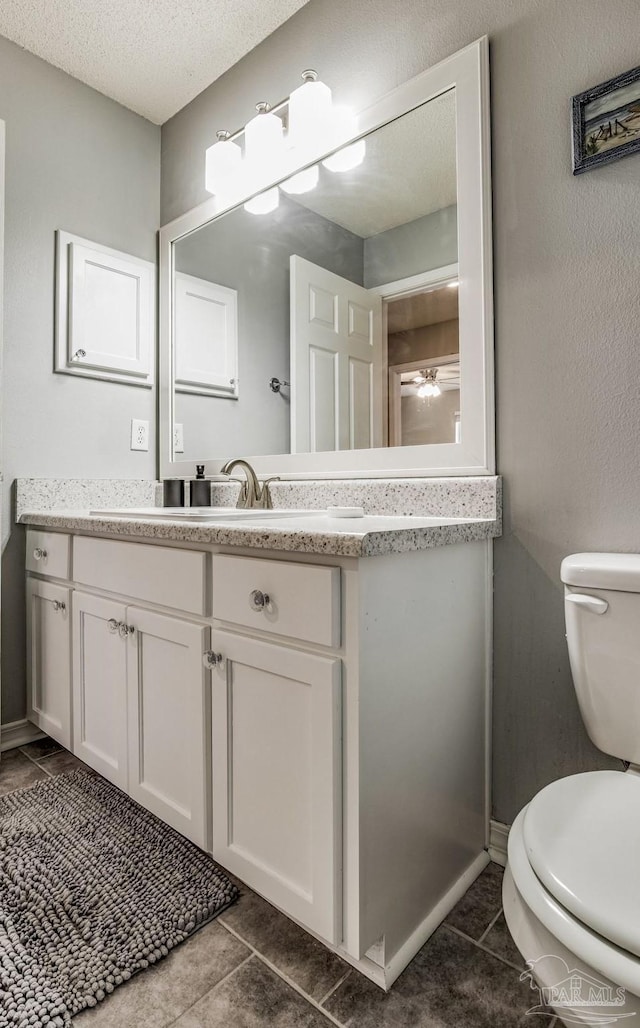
(59, 605)
(211, 659)
(39, 554)
(125, 630)
(259, 600)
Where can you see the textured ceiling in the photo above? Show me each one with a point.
(409, 171)
(153, 56)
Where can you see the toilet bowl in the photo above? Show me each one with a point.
(557, 944)
(571, 888)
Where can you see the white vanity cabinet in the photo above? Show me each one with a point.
(100, 685)
(277, 803)
(168, 720)
(317, 722)
(140, 707)
(128, 678)
(49, 658)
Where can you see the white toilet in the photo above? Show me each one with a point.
(572, 885)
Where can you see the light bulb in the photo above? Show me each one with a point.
(303, 181)
(345, 127)
(310, 119)
(263, 203)
(435, 389)
(223, 164)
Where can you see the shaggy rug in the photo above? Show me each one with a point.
(93, 888)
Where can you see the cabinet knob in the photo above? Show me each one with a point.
(125, 630)
(39, 554)
(113, 625)
(259, 600)
(211, 659)
(59, 605)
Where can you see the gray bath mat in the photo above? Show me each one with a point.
(92, 889)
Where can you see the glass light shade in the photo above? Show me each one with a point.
(264, 141)
(263, 203)
(428, 389)
(223, 166)
(310, 119)
(303, 181)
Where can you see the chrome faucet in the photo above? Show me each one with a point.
(252, 494)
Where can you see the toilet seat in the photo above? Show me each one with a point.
(582, 838)
(616, 964)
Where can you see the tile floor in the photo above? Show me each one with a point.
(254, 967)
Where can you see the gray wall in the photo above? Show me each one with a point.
(251, 253)
(79, 162)
(429, 421)
(567, 305)
(420, 245)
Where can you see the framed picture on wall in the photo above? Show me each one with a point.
(606, 122)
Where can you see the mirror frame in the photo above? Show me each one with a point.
(466, 71)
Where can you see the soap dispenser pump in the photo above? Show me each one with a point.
(200, 491)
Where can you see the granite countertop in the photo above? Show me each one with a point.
(368, 536)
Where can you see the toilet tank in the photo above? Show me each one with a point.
(602, 615)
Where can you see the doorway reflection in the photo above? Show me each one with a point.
(424, 367)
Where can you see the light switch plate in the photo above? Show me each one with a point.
(139, 434)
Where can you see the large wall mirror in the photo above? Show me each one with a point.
(346, 329)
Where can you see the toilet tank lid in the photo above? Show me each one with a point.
(617, 571)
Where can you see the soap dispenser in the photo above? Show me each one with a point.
(200, 491)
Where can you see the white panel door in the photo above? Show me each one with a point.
(276, 716)
(169, 720)
(336, 362)
(49, 659)
(100, 685)
(205, 337)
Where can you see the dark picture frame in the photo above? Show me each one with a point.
(606, 122)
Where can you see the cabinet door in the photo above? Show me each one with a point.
(169, 711)
(276, 717)
(100, 685)
(49, 659)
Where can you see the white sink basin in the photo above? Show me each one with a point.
(202, 513)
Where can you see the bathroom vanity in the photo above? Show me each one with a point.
(304, 698)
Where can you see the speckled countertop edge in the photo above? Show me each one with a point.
(299, 539)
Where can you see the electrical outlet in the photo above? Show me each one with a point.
(178, 438)
(139, 434)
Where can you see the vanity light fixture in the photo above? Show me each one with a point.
(427, 385)
(313, 125)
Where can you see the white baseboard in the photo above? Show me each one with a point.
(18, 733)
(386, 976)
(498, 837)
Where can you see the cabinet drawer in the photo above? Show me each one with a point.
(303, 599)
(158, 574)
(48, 553)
